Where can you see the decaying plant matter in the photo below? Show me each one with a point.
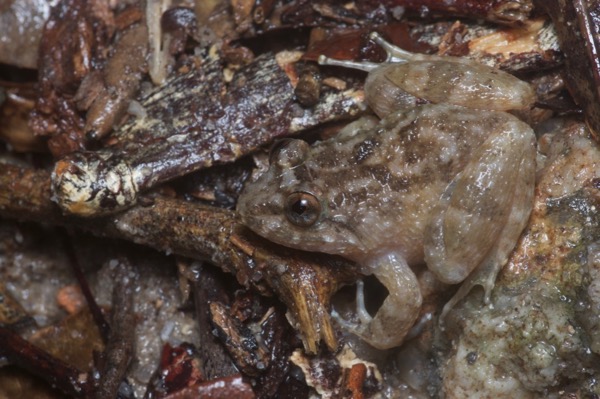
(134, 142)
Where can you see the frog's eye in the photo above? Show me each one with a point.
(302, 209)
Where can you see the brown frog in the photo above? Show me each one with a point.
(448, 183)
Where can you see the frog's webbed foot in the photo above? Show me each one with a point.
(398, 312)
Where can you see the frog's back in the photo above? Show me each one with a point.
(384, 182)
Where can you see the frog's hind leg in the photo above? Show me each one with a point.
(399, 311)
(482, 213)
(486, 272)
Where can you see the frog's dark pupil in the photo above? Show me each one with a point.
(300, 207)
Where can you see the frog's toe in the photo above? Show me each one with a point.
(394, 53)
(359, 327)
(361, 310)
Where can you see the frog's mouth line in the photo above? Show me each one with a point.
(335, 238)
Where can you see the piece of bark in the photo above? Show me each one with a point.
(249, 354)
(73, 41)
(343, 374)
(500, 11)
(331, 14)
(275, 332)
(364, 12)
(262, 10)
(180, 24)
(242, 14)
(219, 185)
(122, 76)
(183, 129)
(577, 26)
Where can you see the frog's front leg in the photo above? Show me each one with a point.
(399, 310)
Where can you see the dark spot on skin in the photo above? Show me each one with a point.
(268, 208)
(416, 148)
(331, 160)
(364, 150)
(429, 175)
(412, 157)
(471, 358)
(386, 178)
(400, 184)
(337, 201)
(303, 173)
(359, 196)
(425, 145)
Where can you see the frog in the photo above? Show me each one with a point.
(442, 175)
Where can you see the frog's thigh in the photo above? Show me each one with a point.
(485, 208)
(400, 309)
(486, 272)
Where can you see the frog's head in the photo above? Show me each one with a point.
(288, 206)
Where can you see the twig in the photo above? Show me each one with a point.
(216, 363)
(85, 289)
(38, 362)
(119, 349)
